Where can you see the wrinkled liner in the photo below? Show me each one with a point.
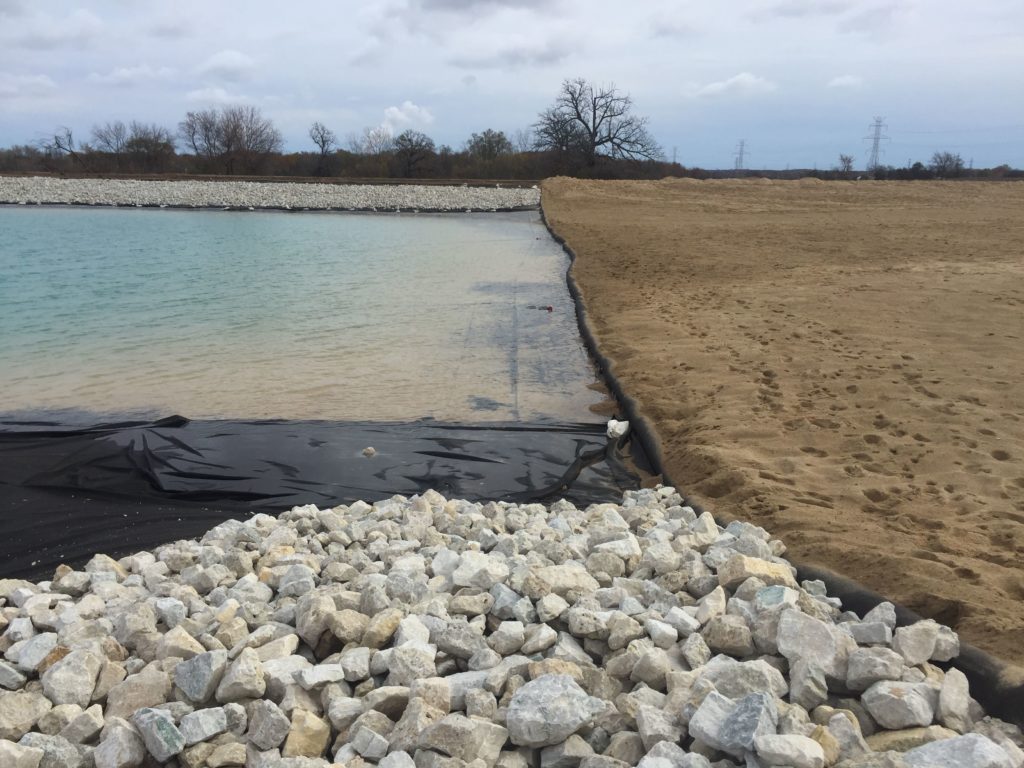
(67, 493)
(997, 686)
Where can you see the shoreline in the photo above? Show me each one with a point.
(265, 196)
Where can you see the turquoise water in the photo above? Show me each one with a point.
(273, 315)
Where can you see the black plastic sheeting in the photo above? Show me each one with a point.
(67, 493)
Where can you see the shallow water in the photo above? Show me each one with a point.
(294, 316)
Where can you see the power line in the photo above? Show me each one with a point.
(876, 138)
(741, 153)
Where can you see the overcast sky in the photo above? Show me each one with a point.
(799, 80)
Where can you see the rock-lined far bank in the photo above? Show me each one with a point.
(433, 632)
(38, 190)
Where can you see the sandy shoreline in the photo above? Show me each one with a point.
(842, 364)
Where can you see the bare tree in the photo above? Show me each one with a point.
(412, 150)
(325, 141)
(234, 136)
(846, 163)
(149, 148)
(111, 138)
(522, 140)
(488, 145)
(323, 137)
(594, 121)
(947, 165)
(372, 141)
(63, 143)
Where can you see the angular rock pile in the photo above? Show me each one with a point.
(432, 632)
(250, 194)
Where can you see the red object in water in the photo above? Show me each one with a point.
(550, 308)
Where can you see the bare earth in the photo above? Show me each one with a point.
(840, 362)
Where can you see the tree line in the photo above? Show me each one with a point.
(589, 130)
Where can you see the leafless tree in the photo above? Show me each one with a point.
(235, 137)
(323, 137)
(522, 140)
(150, 148)
(846, 163)
(947, 165)
(594, 121)
(372, 141)
(111, 138)
(326, 142)
(63, 143)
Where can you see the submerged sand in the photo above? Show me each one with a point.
(841, 362)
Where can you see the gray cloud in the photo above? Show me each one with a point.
(872, 19)
(45, 32)
(515, 56)
(795, 9)
(11, 8)
(171, 29)
(227, 65)
(128, 76)
(473, 5)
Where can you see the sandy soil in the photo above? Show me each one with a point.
(841, 362)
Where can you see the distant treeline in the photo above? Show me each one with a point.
(589, 132)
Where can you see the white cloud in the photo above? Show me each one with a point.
(216, 96)
(877, 18)
(25, 86)
(45, 32)
(742, 84)
(127, 76)
(171, 28)
(227, 65)
(846, 81)
(397, 119)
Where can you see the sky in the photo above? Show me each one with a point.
(799, 81)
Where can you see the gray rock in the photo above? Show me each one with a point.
(199, 677)
(72, 679)
(10, 678)
(160, 734)
(243, 679)
(268, 725)
(203, 724)
(655, 726)
(916, 643)
(898, 705)
(568, 754)
(970, 751)
(804, 637)
(954, 702)
(57, 751)
(84, 727)
(19, 711)
(794, 751)
(17, 756)
(869, 665)
(732, 726)
(121, 747)
(548, 710)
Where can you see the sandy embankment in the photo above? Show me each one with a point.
(841, 362)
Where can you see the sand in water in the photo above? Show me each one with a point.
(840, 362)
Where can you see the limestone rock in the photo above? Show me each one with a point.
(548, 710)
(970, 751)
(898, 705)
(160, 734)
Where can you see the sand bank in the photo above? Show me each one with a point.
(839, 362)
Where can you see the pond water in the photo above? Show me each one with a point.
(228, 315)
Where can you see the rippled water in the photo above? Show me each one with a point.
(273, 315)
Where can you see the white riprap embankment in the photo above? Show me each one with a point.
(37, 190)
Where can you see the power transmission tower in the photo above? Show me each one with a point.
(741, 153)
(876, 138)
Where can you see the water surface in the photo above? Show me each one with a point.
(295, 316)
